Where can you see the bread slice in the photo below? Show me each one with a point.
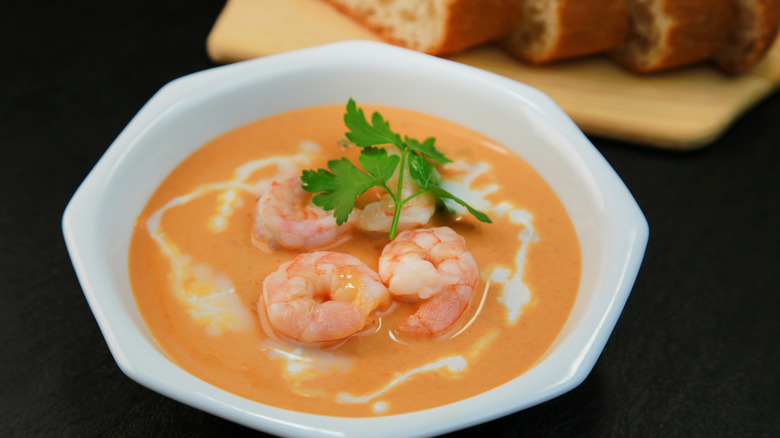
(437, 27)
(549, 30)
(756, 28)
(665, 34)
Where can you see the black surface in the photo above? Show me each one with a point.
(695, 352)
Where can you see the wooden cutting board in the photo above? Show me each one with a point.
(684, 109)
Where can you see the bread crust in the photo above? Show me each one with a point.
(467, 23)
(582, 27)
(756, 28)
(696, 30)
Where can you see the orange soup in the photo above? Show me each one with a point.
(197, 275)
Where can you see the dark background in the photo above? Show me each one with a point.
(695, 352)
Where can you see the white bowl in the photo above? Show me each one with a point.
(190, 111)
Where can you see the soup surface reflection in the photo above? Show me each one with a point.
(197, 275)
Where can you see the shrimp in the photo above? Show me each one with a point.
(286, 217)
(322, 296)
(377, 215)
(431, 266)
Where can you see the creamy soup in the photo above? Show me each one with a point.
(197, 275)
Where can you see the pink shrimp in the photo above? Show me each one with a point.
(286, 217)
(378, 214)
(434, 267)
(322, 296)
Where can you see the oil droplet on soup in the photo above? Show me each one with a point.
(197, 276)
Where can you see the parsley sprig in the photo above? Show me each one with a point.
(338, 187)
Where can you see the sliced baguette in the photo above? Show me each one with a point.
(756, 28)
(550, 30)
(436, 27)
(665, 34)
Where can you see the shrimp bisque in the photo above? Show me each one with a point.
(247, 284)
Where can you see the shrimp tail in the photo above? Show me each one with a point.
(437, 314)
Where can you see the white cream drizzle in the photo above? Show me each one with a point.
(208, 295)
(302, 363)
(454, 364)
(515, 293)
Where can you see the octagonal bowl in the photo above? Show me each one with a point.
(190, 111)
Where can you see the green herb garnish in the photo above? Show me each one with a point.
(338, 187)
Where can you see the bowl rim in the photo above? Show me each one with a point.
(631, 230)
